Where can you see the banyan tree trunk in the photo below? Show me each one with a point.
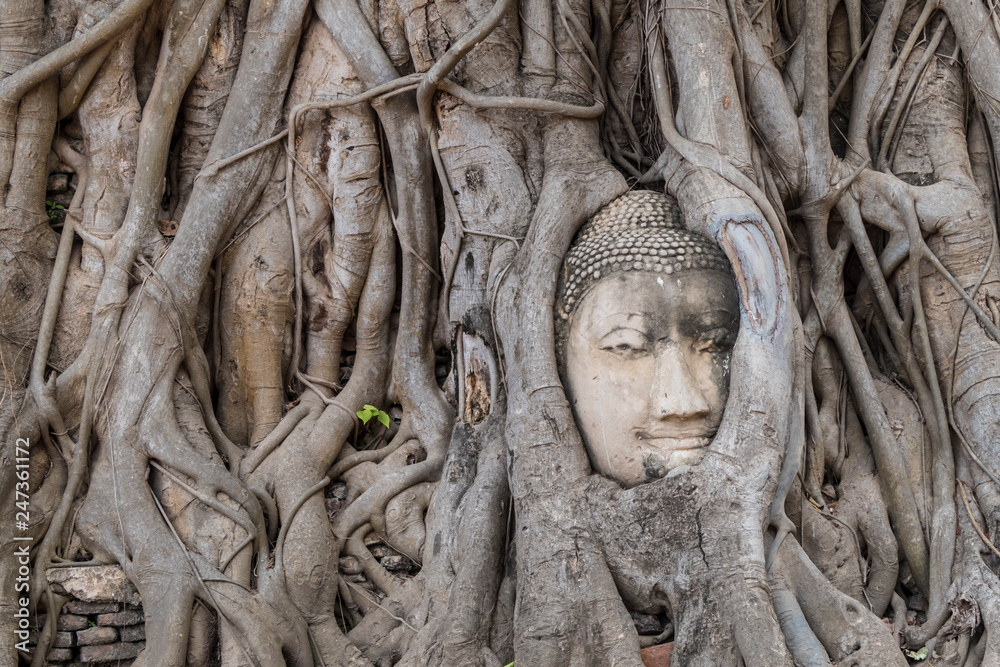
(279, 286)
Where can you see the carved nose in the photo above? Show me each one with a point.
(675, 393)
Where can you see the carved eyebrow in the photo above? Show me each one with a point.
(642, 332)
(709, 319)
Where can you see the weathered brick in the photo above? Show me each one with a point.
(59, 655)
(657, 656)
(81, 607)
(133, 633)
(98, 635)
(102, 583)
(647, 624)
(397, 563)
(70, 622)
(58, 183)
(120, 618)
(64, 639)
(109, 652)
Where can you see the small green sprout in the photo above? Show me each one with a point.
(920, 654)
(370, 411)
(51, 207)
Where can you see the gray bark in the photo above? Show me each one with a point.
(229, 227)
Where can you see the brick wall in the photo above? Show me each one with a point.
(102, 624)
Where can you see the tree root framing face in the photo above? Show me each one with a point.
(227, 226)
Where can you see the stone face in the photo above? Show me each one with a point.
(70, 622)
(110, 652)
(132, 633)
(97, 635)
(128, 617)
(81, 607)
(101, 583)
(636, 417)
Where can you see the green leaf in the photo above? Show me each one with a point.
(372, 408)
(383, 418)
(364, 415)
(920, 654)
(51, 207)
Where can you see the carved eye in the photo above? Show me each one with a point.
(720, 339)
(626, 342)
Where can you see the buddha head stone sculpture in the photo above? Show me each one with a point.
(647, 317)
